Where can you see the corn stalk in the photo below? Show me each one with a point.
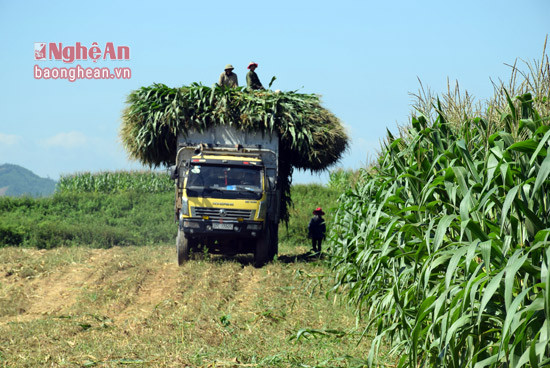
(445, 244)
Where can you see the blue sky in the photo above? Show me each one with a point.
(362, 57)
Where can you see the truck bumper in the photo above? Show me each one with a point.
(216, 228)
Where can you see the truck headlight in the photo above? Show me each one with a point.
(191, 224)
(184, 207)
(254, 226)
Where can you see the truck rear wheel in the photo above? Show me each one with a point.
(183, 246)
(263, 249)
(274, 242)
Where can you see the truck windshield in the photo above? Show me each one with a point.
(218, 181)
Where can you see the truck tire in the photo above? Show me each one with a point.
(263, 248)
(274, 243)
(183, 246)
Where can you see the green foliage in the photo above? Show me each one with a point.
(82, 218)
(341, 180)
(11, 235)
(115, 182)
(122, 208)
(17, 181)
(446, 243)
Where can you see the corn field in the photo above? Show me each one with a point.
(445, 243)
(115, 182)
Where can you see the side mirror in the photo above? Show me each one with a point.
(174, 172)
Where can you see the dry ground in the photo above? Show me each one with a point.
(133, 305)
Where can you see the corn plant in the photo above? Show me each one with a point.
(455, 105)
(341, 179)
(115, 182)
(446, 243)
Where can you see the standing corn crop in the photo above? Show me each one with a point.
(446, 243)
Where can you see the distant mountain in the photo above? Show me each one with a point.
(16, 181)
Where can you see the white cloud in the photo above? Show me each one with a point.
(9, 139)
(367, 146)
(66, 140)
(347, 128)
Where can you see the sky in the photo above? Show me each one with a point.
(364, 58)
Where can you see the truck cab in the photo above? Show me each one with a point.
(227, 198)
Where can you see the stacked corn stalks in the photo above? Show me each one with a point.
(311, 137)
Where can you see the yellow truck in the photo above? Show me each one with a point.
(227, 193)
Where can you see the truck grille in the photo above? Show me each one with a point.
(228, 213)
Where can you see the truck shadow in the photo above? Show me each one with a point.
(248, 260)
(300, 258)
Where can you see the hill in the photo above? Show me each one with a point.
(16, 181)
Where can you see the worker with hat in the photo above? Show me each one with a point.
(228, 78)
(252, 80)
(317, 229)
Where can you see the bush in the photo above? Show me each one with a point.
(96, 219)
(10, 235)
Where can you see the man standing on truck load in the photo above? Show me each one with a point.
(317, 229)
(252, 80)
(228, 78)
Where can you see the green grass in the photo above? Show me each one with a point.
(132, 305)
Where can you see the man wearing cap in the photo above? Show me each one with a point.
(317, 229)
(228, 78)
(252, 80)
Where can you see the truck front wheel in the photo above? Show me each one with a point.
(183, 246)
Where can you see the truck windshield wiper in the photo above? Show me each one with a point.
(213, 189)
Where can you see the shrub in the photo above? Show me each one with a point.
(10, 235)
